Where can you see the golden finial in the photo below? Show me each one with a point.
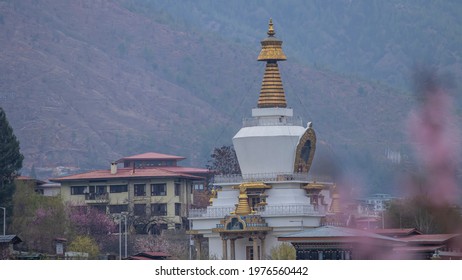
(271, 32)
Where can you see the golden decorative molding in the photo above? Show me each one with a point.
(314, 187)
(253, 185)
(304, 153)
(242, 224)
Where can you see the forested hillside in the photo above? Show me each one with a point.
(86, 82)
(375, 40)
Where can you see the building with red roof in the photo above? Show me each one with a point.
(151, 187)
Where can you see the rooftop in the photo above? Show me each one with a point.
(27, 178)
(429, 238)
(396, 231)
(125, 173)
(151, 156)
(150, 256)
(11, 238)
(326, 232)
(188, 170)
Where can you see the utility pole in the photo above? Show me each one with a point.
(4, 220)
(124, 215)
(190, 237)
(120, 237)
(125, 234)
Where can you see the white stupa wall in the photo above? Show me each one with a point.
(286, 196)
(267, 149)
(226, 198)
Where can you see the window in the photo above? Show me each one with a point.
(177, 189)
(117, 188)
(98, 189)
(159, 189)
(159, 209)
(254, 200)
(77, 190)
(177, 209)
(139, 209)
(118, 208)
(198, 186)
(140, 189)
(151, 163)
(101, 189)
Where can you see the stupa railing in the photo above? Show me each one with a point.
(269, 177)
(288, 210)
(211, 212)
(268, 210)
(282, 121)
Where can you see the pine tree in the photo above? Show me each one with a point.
(10, 162)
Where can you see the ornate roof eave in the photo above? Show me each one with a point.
(253, 185)
(315, 186)
(246, 230)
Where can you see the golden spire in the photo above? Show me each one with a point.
(271, 93)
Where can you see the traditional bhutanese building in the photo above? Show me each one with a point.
(274, 195)
(151, 188)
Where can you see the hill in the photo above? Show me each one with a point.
(375, 40)
(86, 82)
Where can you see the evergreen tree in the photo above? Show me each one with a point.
(224, 161)
(10, 162)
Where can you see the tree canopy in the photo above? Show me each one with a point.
(224, 161)
(421, 213)
(10, 162)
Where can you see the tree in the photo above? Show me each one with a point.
(421, 213)
(284, 251)
(84, 244)
(88, 221)
(10, 162)
(224, 161)
(37, 219)
(177, 245)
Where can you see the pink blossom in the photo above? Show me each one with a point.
(436, 141)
